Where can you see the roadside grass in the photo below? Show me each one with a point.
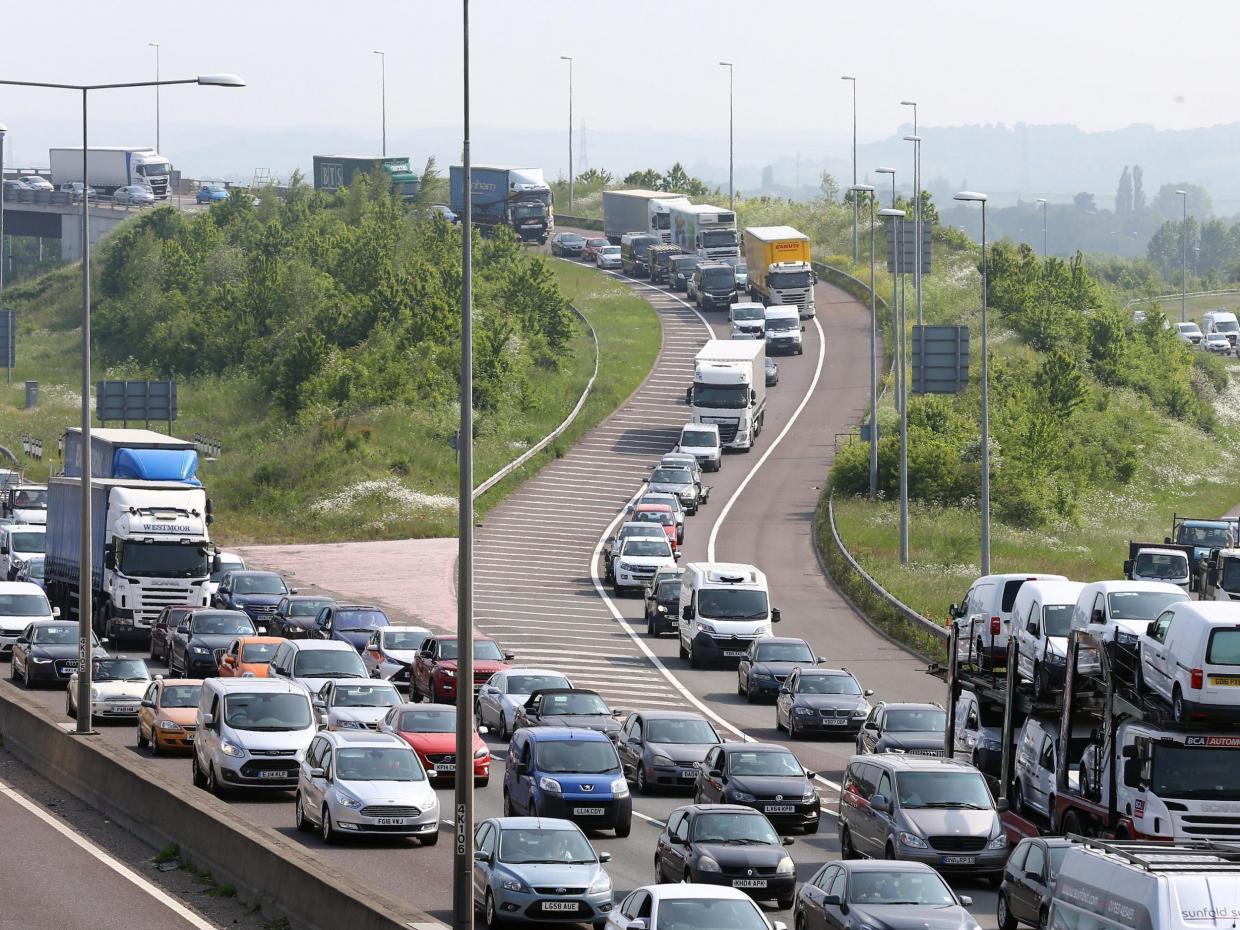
(388, 473)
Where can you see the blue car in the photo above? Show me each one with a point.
(567, 773)
(350, 623)
(211, 193)
(256, 593)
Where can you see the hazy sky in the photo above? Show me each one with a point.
(310, 65)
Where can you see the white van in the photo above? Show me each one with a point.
(1120, 611)
(1221, 322)
(983, 618)
(18, 542)
(747, 320)
(784, 329)
(21, 604)
(1042, 618)
(724, 606)
(1034, 764)
(1190, 657)
(701, 440)
(251, 733)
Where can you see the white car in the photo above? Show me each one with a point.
(21, 603)
(355, 704)
(390, 652)
(116, 688)
(608, 257)
(312, 663)
(638, 559)
(1121, 611)
(229, 562)
(701, 440)
(136, 194)
(671, 907)
(1189, 332)
(1218, 344)
(36, 183)
(19, 542)
(498, 700)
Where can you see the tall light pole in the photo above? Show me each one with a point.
(892, 172)
(853, 81)
(154, 45)
(731, 186)
(569, 59)
(1042, 201)
(1184, 254)
(916, 140)
(857, 191)
(3, 130)
(85, 607)
(899, 220)
(975, 197)
(382, 95)
(463, 813)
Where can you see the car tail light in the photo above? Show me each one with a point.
(1195, 682)
(994, 626)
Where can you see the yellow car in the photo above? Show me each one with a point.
(168, 715)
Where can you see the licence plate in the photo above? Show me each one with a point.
(732, 653)
(959, 860)
(588, 811)
(189, 737)
(749, 883)
(688, 773)
(834, 721)
(1232, 681)
(443, 768)
(780, 809)
(272, 773)
(391, 821)
(559, 905)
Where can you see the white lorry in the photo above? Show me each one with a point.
(110, 167)
(705, 231)
(639, 211)
(729, 389)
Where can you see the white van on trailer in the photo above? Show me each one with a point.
(1190, 657)
(1042, 619)
(983, 618)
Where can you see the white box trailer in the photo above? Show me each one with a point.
(639, 211)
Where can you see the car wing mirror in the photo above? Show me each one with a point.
(183, 628)
(868, 692)
(966, 901)
(55, 611)
(208, 719)
(787, 840)
(509, 656)
(148, 703)
(481, 856)
(293, 590)
(318, 773)
(604, 857)
(880, 803)
(775, 615)
(831, 900)
(1002, 805)
(1151, 627)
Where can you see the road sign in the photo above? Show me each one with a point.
(136, 400)
(909, 261)
(940, 359)
(8, 338)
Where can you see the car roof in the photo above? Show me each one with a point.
(886, 865)
(1209, 611)
(562, 734)
(252, 571)
(753, 747)
(221, 612)
(721, 809)
(429, 708)
(910, 705)
(1123, 584)
(307, 645)
(359, 607)
(244, 640)
(478, 637)
(364, 738)
(681, 890)
(19, 587)
(535, 823)
(564, 691)
(781, 640)
(669, 715)
(827, 672)
(532, 670)
(309, 597)
(273, 685)
(912, 761)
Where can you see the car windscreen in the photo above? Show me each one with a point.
(782, 324)
(718, 277)
(404, 639)
(1160, 565)
(572, 239)
(528, 684)
(529, 845)
(609, 250)
(55, 636)
(731, 604)
(119, 670)
(352, 695)
(257, 653)
(764, 763)
(682, 730)
(747, 829)
(662, 517)
(668, 591)
(783, 652)
(359, 620)
(1141, 605)
(1210, 537)
(914, 720)
(699, 439)
(899, 887)
(716, 913)
(218, 624)
(1057, 619)
(27, 542)
(671, 475)
(748, 313)
(30, 500)
(24, 605)
(308, 608)
(646, 548)
(181, 695)
(258, 584)
(572, 704)
(582, 757)
(428, 721)
(266, 711)
(948, 790)
(377, 763)
(328, 663)
(1224, 647)
(828, 684)
(1226, 326)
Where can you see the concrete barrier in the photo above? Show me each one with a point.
(578, 222)
(264, 866)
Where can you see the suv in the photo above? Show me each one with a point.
(713, 285)
(936, 811)
(312, 663)
(434, 667)
(568, 773)
(257, 593)
(199, 640)
(350, 623)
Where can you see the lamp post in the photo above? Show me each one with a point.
(1042, 201)
(900, 217)
(731, 187)
(1184, 254)
(857, 190)
(154, 45)
(892, 172)
(853, 81)
(383, 95)
(3, 130)
(85, 612)
(916, 140)
(975, 197)
(569, 59)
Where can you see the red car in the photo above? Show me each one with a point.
(657, 513)
(434, 669)
(431, 731)
(589, 251)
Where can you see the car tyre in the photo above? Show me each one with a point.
(199, 781)
(847, 850)
(624, 829)
(482, 782)
(490, 913)
(26, 682)
(142, 740)
(658, 871)
(300, 820)
(743, 690)
(1018, 798)
(792, 727)
(786, 903)
(508, 811)
(684, 653)
(213, 784)
(69, 708)
(505, 731)
(1177, 705)
(1004, 914)
(326, 830)
(694, 661)
(639, 780)
(812, 829)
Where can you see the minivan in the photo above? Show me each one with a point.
(936, 811)
(983, 618)
(784, 329)
(1042, 618)
(1190, 657)
(1120, 611)
(724, 606)
(1222, 322)
(747, 320)
(634, 247)
(251, 732)
(701, 440)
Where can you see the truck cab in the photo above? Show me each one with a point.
(1218, 578)
(1150, 563)
(1202, 535)
(25, 503)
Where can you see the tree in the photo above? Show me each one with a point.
(648, 179)
(594, 177)
(678, 181)
(1085, 201)
(1060, 383)
(828, 187)
(1168, 205)
(1123, 199)
(1138, 191)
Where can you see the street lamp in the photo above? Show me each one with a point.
(383, 94)
(85, 611)
(892, 172)
(1042, 201)
(853, 81)
(1184, 254)
(899, 219)
(916, 140)
(569, 59)
(975, 197)
(731, 187)
(3, 130)
(857, 190)
(154, 45)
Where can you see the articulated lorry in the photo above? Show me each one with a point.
(777, 259)
(516, 198)
(705, 231)
(108, 168)
(332, 172)
(729, 389)
(639, 211)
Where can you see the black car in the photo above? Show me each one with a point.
(870, 893)
(568, 245)
(904, 728)
(165, 623)
(772, 372)
(198, 642)
(663, 607)
(768, 662)
(568, 707)
(294, 617)
(680, 270)
(821, 700)
(47, 650)
(764, 776)
(255, 593)
(663, 748)
(1028, 880)
(726, 844)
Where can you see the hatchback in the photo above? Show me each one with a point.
(166, 720)
(684, 906)
(764, 776)
(506, 692)
(663, 748)
(569, 773)
(135, 194)
(870, 894)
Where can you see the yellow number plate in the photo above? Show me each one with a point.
(1231, 680)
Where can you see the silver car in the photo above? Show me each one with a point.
(37, 183)
(608, 257)
(677, 480)
(390, 652)
(498, 700)
(116, 688)
(352, 784)
(538, 869)
(355, 703)
(136, 194)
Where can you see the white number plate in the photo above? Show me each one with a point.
(835, 721)
(780, 809)
(732, 653)
(559, 905)
(588, 811)
(688, 773)
(959, 860)
(391, 821)
(272, 773)
(749, 883)
(189, 737)
(443, 768)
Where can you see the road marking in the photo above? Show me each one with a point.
(648, 819)
(107, 859)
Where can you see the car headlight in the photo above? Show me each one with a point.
(601, 883)
(786, 866)
(861, 711)
(345, 800)
(809, 797)
(803, 711)
(229, 748)
(738, 795)
(912, 840)
(350, 724)
(482, 753)
(705, 627)
(620, 787)
(550, 785)
(707, 864)
(764, 630)
(39, 660)
(661, 760)
(999, 842)
(1127, 639)
(447, 673)
(200, 650)
(169, 725)
(94, 694)
(514, 884)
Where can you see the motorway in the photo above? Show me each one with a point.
(551, 609)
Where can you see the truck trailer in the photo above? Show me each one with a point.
(705, 231)
(516, 198)
(332, 172)
(639, 211)
(778, 265)
(729, 389)
(110, 167)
